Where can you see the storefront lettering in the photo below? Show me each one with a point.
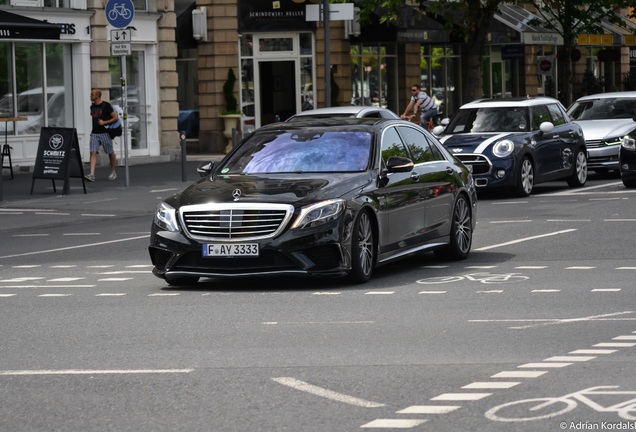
(68, 29)
(54, 153)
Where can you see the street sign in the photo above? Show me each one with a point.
(120, 13)
(120, 49)
(337, 12)
(120, 36)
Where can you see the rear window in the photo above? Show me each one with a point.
(602, 109)
(477, 120)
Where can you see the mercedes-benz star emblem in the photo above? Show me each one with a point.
(236, 194)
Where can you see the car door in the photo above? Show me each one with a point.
(568, 136)
(436, 175)
(546, 146)
(401, 200)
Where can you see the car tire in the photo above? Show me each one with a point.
(579, 175)
(183, 281)
(629, 183)
(525, 178)
(461, 235)
(363, 249)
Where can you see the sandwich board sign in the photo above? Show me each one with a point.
(58, 157)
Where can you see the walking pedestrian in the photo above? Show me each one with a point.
(102, 114)
(420, 100)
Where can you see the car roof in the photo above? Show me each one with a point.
(352, 110)
(609, 95)
(345, 123)
(510, 102)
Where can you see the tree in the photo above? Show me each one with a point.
(468, 22)
(569, 19)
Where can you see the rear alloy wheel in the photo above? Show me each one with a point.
(362, 249)
(579, 176)
(461, 235)
(525, 178)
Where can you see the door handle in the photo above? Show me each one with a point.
(449, 170)
(415, 176)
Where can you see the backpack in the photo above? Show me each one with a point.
(115, 129)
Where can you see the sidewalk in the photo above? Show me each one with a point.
(166, 177)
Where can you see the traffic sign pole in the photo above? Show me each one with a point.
(120, 14)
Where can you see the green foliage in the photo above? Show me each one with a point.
(231, 105)
(591, 84)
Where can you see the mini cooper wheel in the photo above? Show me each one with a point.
(362, 249)
(525, 178)
(579, 175)
(461, 235)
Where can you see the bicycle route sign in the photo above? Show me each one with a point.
(120, 13)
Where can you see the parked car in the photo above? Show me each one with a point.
(516, 143)
(30, 105)
(344, 112)
(324, 198)
(627, 158)
(605, 118)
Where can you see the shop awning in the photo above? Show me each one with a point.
(13, 26)
(524, 22)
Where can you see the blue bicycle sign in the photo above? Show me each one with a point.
(120, 13)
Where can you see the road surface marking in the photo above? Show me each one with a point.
(328, 394)
(429, 409)
(519, 374)
(523, 239)
(74, 247)
(91, 371)
(461, 396)
(491, 385)
(393, 424)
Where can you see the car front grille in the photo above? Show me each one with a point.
(235, 222)
(479, 163)
(594, 144)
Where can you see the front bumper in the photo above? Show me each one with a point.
(603, 157)
(322, 251)
(490, 173)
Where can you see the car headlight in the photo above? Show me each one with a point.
(503, 148)
(166, 217)
(629, 143)
(319, 213)
(613, 141)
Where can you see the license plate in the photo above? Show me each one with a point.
(230, 249)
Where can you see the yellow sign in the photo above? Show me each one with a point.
(594, 39)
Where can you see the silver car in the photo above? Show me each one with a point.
(605, 119)
(353, 111)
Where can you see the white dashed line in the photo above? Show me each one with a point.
(429, 409)
(92, 372)
(461, 396)
(544, 365)
(432, 292)
(491, 385)
(110, 295)
(629, 337)
(54, 295)
(570, 358)
(593, 351)
(605, 290)
(392, 424)
(379, 292)
(615, 345)
(66, 279)
(519, 374)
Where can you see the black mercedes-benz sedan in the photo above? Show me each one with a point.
(323, 198)
(627, 157)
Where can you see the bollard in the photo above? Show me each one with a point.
(184, 173)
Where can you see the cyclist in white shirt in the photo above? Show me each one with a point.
(420, 100)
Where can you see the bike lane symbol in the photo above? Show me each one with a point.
(547, 407)
(120, 13)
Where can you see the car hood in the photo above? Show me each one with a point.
(595, 130)
(472, 143)
(283, 189)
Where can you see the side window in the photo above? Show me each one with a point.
(392, 145)
(539, 115)
(437, 154)
(557, 115)
(372, 114)
(417, 144)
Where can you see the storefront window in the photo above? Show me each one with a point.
(372, 69)
(34, 81)
(440, 76)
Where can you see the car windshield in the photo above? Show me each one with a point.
(603, 109)
(473, 120)
(301, 151)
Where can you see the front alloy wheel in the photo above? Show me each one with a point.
(525, 179)
(362, 249)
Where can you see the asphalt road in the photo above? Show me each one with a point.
(545, 307)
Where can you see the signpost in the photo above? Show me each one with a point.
(120, 14)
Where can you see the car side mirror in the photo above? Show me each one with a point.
(438, 130)
(399, 164)
(546, 127)
(205, 168)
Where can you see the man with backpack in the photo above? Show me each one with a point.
(103, 115)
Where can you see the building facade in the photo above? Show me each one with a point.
(52, 52)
